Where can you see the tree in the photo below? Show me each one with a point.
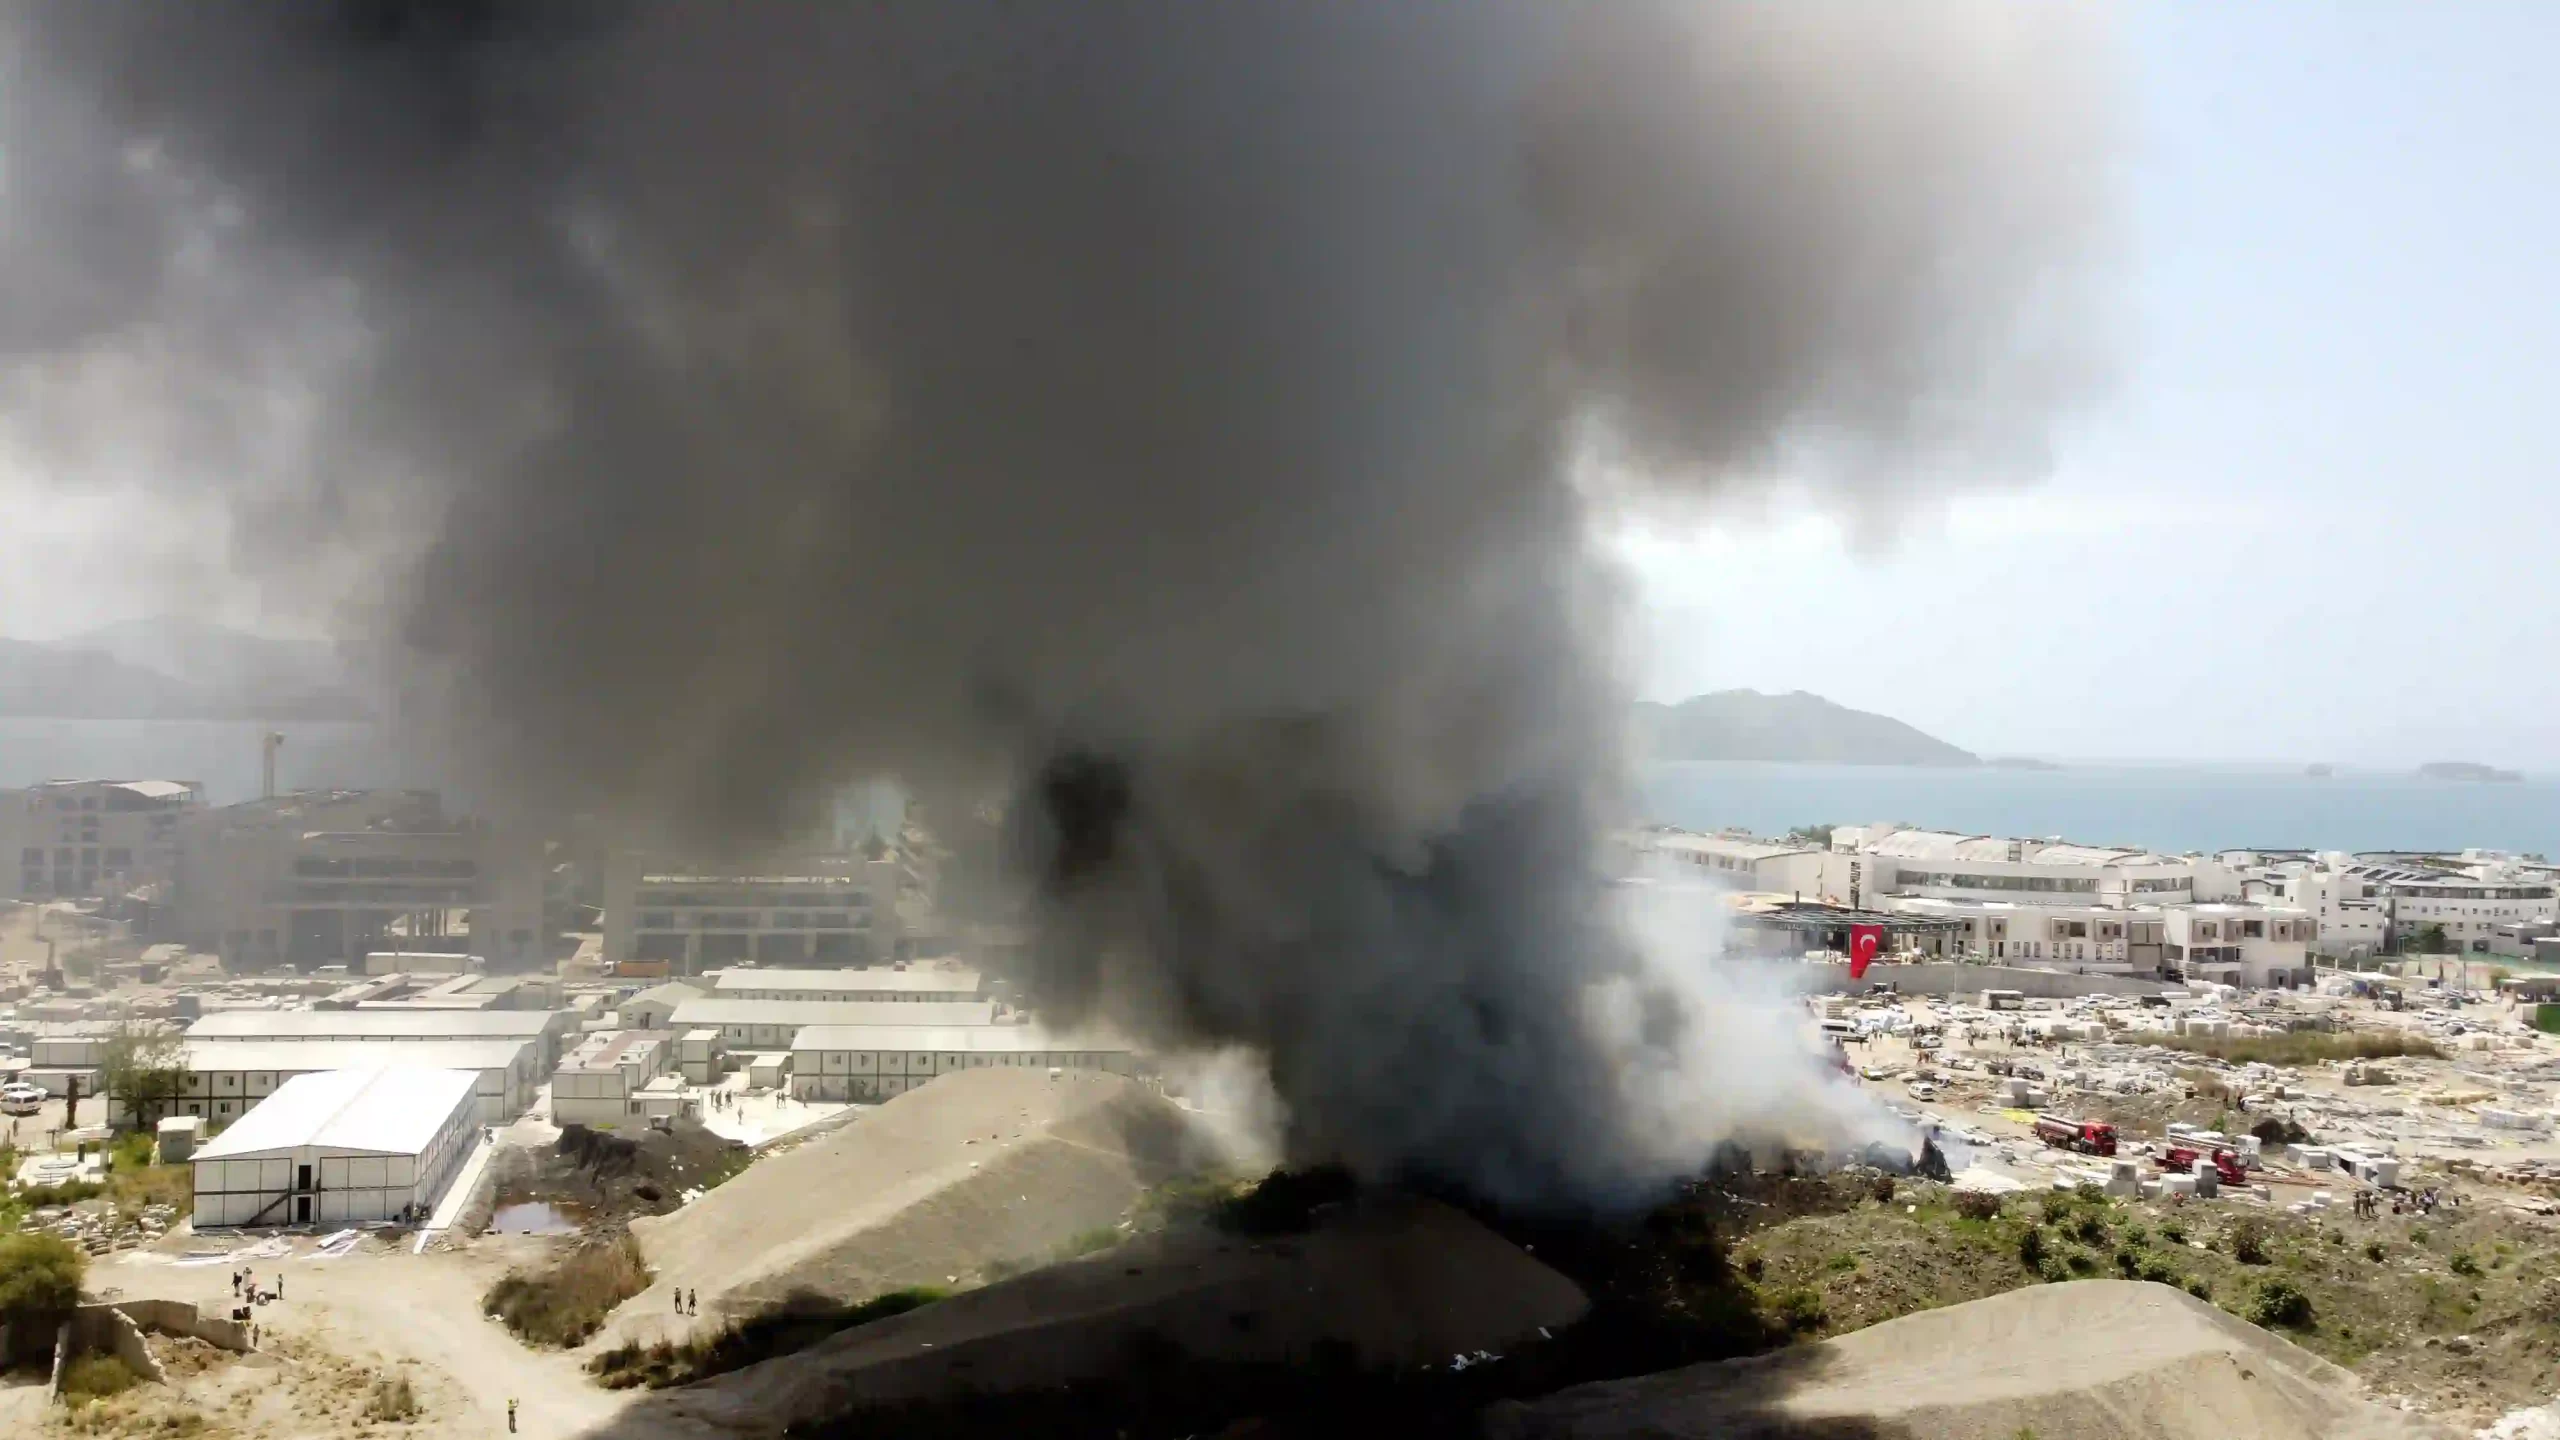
(39, 1274)
(146, 1068)
(2433, 941)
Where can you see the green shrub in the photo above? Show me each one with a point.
(2129, 1262)
(2158, 1271)
(2091, 1228)
(2247, 1237)
(2031, 1247)
(2463, 1264)
(2199, 1287)
(2278, 1305)
(95, 1377)
(2173, 1231)
(1799, 1310)
(1841, 1262)
(39, 1273)
(2373, 1251)
(1978, 1204)
(1090, 1242)
(563, 1306)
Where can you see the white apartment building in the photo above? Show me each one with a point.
(226, 1077)
(2241, 944)
(2386, 902)
(2098, 939)
(1867, 863)
(826, 910)
(1777, 866)
(2353, 912)
(85, 839)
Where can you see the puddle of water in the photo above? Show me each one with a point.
(533, 1217)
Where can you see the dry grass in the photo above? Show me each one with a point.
(391, 1399)
(564, 1305)
(2302, 1047)
(96, 1377)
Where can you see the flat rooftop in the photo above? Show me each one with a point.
(817, 982)
(306, 1055)
(386, 1112)
(950, 1039)
(384, 1024)
(818, 1010)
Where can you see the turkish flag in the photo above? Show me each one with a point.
(1864, 942)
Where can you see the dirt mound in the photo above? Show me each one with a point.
(601, 1175)
(1388, 1280)
(980, 1169)
(2094, 1360)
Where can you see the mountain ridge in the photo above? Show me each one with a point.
(1799, 727)
(175, 668)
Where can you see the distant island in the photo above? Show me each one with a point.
(2020, 762)
(1798, 728)
(174, 669)
(2319, 772)
(2470, 772)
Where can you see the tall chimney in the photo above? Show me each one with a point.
(268, 744)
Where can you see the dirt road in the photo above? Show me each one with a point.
(376, 1310)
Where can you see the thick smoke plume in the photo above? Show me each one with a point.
(1190, 417)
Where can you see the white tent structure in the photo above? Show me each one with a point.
(335, 1146)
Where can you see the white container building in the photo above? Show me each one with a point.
(876, 1062)
(225, 1078)
(773, 1024)
(337, 1147)
(910, 985)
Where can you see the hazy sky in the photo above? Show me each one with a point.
(2312, 518)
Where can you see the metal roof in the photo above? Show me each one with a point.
(388, 1112)
(299, 1056)
(815, 1011)
(963, 1039)
(410, 1024)
(817, 982)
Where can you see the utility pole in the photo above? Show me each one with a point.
(268, 745)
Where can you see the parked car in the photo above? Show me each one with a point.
(20, 1098)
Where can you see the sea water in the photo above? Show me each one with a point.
(2156, 807)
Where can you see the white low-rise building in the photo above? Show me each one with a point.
(600, 1083)
(877, 1062)
(339, 1147)
(2241, 944)
(1744, 862)
(545, 1028)
(909, 984)
(2097, 939)
(1867, 863)
(227, 1077)
(771, 1024)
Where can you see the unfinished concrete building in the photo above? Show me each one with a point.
(328, 877)
(824, 910)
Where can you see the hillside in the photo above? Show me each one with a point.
(174, 669)
(1798, 727)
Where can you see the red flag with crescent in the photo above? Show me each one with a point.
(1864, 942)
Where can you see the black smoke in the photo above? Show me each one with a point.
(1195, 417)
